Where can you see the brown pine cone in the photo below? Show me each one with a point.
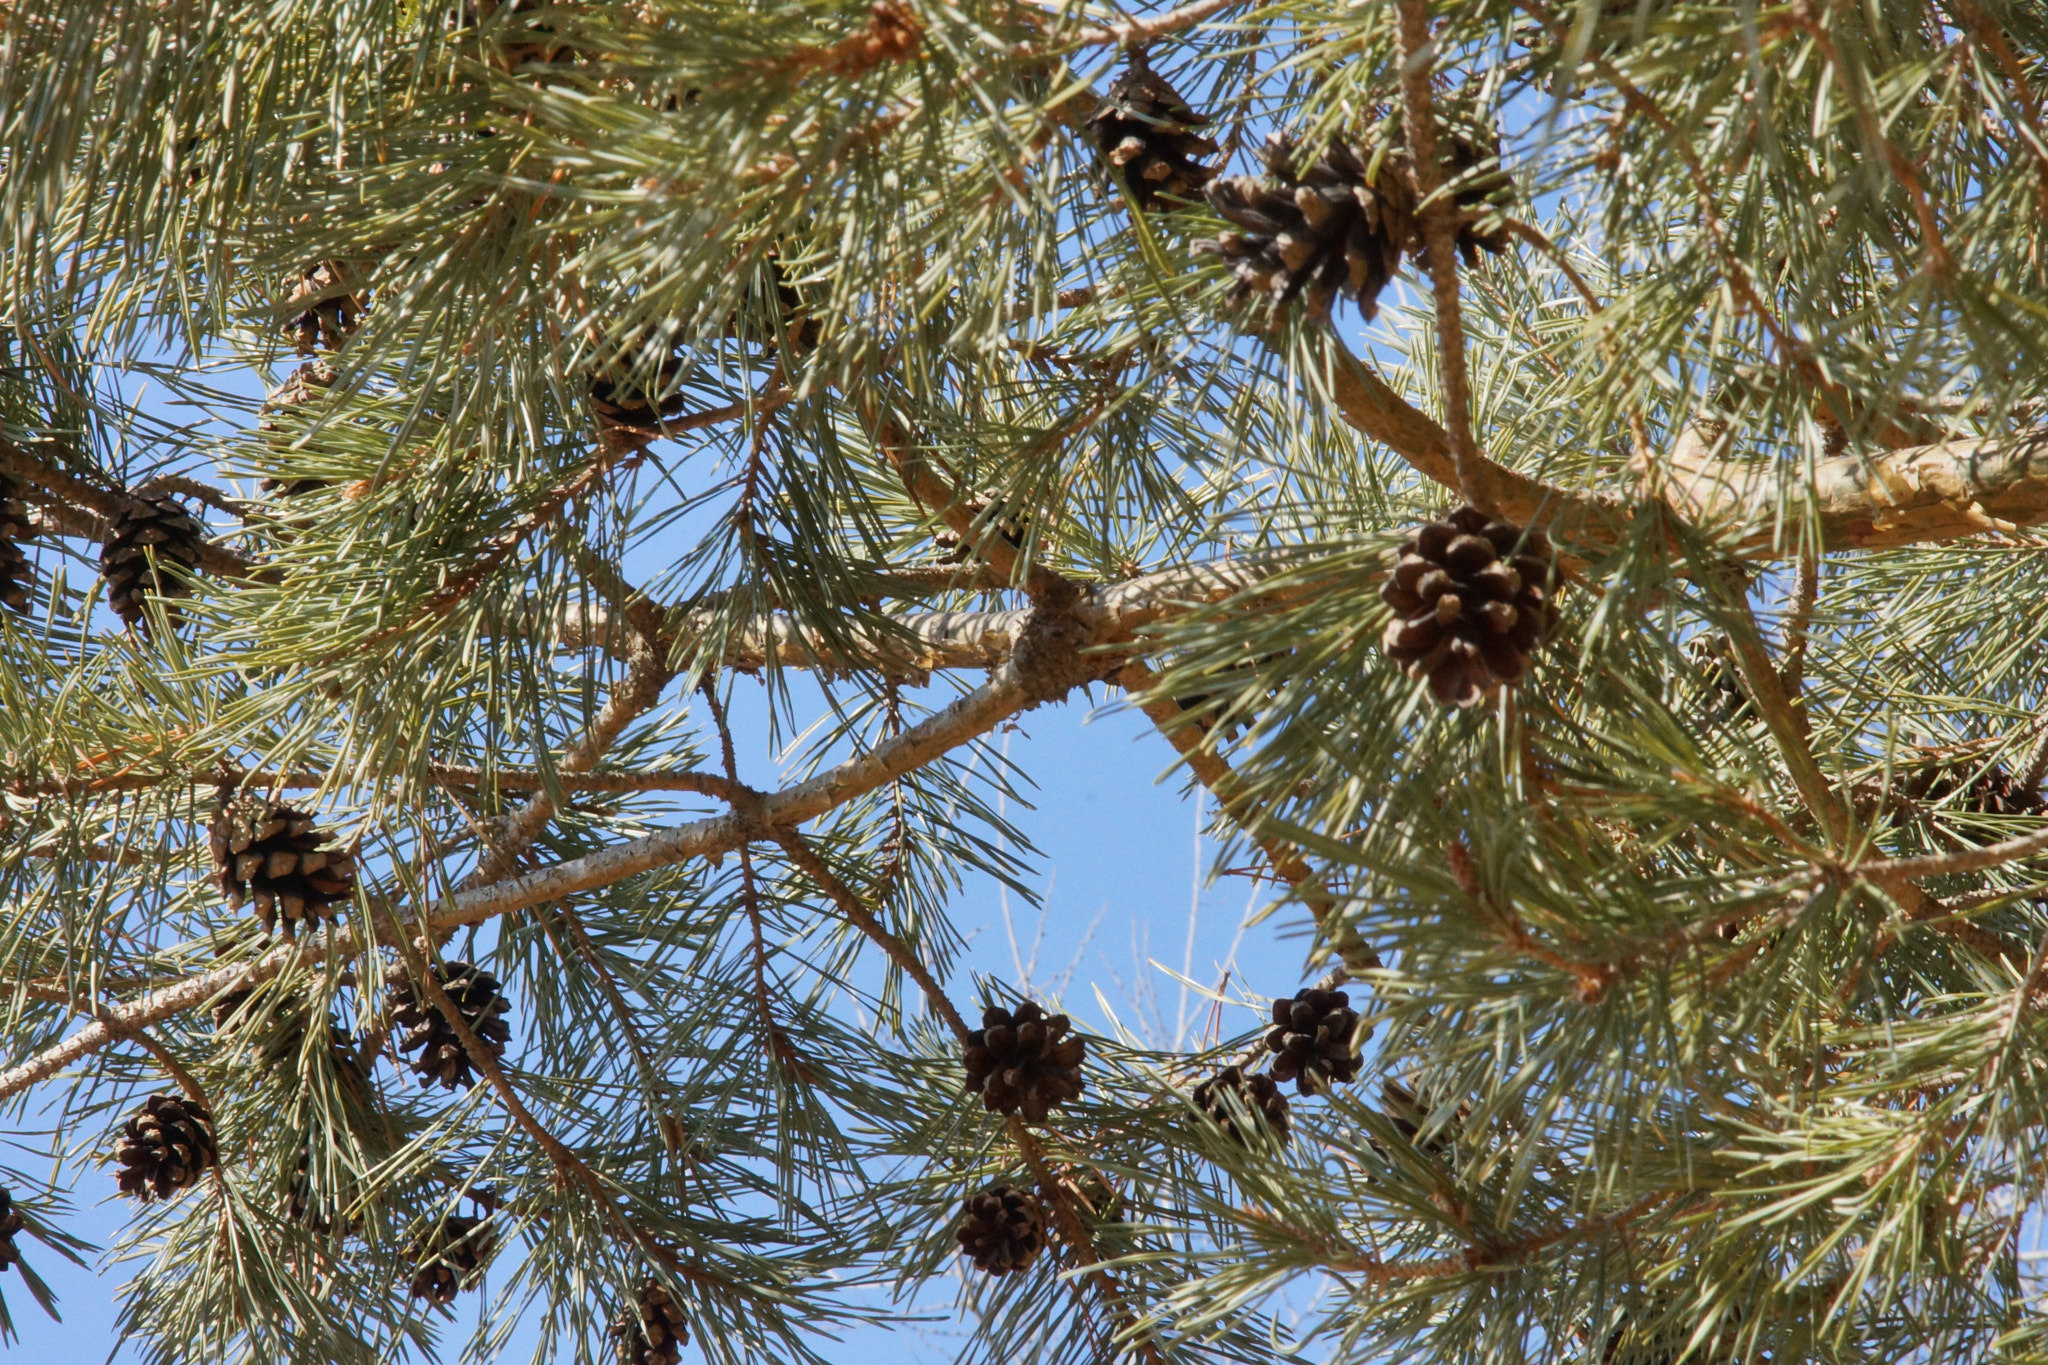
(653, 1331)
(328, 310)
(1312, 1040)
(10, 1223)
(277, 854)
(17, 578)
(165, 1147)
(441, 1054)
(1715, 658)
(306, 383)
(1001, 1229)
(448, 1257)
(156, 526)
(1410, 1114)
(1144, 132)
(1989, 791)
(632, 392)
(1023, 1060)
(1250, 1109)
(1472, 601)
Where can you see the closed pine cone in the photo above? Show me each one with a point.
(1472, 601)
(631, 393)
(1023, 1060)
(448, 1256)
(165, 1147)
(10, 1223)
(1312, 1040)
(152, 526)
(653, 1331)
(1145, 134)
(441, 1054)
(17, 579)
(1259, 1111)
(1001, 1229)
(277, 855)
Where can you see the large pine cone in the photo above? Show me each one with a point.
(1472, 601)
(1334, 229)
(17, 579)
(1001, 1229)
(632, 392)
(278, 855)
(166, 1146)
(10, 1223)
(1250, 1109)
(1313, 1040)
(441, 1054)
(330, 309)
(448, 1256)
(1023, 1060)
(152, 526)
(1144, 132)
(651, 1332)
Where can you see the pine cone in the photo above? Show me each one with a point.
(1336, 229)
(442, 1057)
(988, 511)
(153, 526)
(279, 1034)
(1712, 654)
(449, 1256)
(1312, 1040)
(1144, 132)
(1250, 1109)
(1001, 1229)
(631, 393)
(10, 1223)
(1991, 791)
(653, 1331)
(1410, 1114)
(165, 1147)
(1472, 601)
(306, 383)
(329, 310)
(17, 578)
(1022, 1060)
(277, 854)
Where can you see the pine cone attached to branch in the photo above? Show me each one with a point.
(653, 1331)
(632, 392)
(330, 310)
(1023, 1060)
(143, 547)
(449, 1256)
(1313, 1040)
(165, 1147)
(1250, 1109)
(10, 1223)
(1001, 1229)
(278, 855)
(17, 579)
(441, 1054)
(1472, 601)
(1144, 132)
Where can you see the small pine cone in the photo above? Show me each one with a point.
(1409, 1114)
(1023, 1060)
(1144, 132)
(448, 1256)
(632, 393)
(651, 1332)
(1250, 1109)
(307, 382)
(1715, 658)
(441, 1054)
(276, 854)
(1337, 229)
(10, 1223)
(165, 1147)
(17, 578)
(1472, 601)
(153, 526)
(328, 310)
(1001, 1229)
(1312, 1040)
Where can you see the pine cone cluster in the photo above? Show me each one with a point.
(1022, 1060)
(1472, 601)
(165, 1147)
(1001, 1229)
(277, 855)
(448, 1256)
(10, 1223)
(1145, 134)
(632, 393)
(651, 1332)
(1313, 1040)
(17, 578)
(441, 1054)
(1250, 1109)
(151, 528)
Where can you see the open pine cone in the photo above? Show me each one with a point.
(1250, 1109)
(1313, 1040)
(155, 527)
(441, 1054)
(1472, 601)
(1023, 1060)
(1144, 132)
(448, 1256)
(17, 579)
(651, 1332)
(330, 308)
(276, 854)
(1001, 1229)
(165, 1147)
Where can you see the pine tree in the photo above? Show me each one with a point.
(1666, 821)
